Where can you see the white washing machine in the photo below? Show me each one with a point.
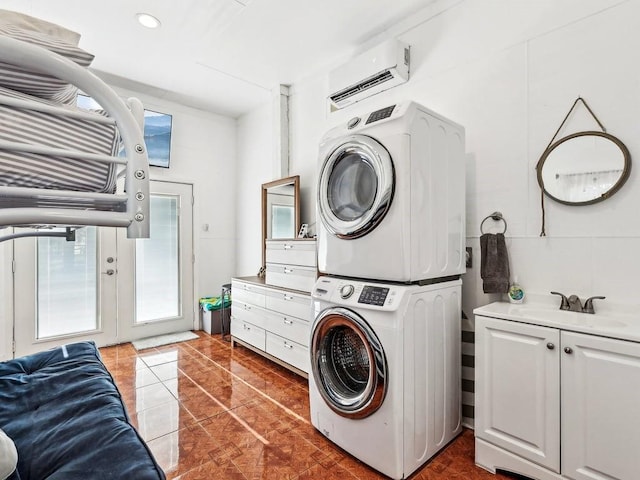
(385, 370)
(391, 193)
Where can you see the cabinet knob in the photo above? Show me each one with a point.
(568, 350)
(550, 346)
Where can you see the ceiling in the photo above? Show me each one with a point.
(224, 56)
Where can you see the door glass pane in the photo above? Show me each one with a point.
(67, 300)
(352, 187)
(157, 263)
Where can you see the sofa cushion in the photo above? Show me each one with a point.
(66, 417)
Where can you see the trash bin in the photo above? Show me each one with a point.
(211, 313)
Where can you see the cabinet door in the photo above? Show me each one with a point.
(600, 408)
(518, 389)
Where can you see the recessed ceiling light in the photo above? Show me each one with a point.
(147, 20)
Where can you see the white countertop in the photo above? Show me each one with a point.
(621, 321)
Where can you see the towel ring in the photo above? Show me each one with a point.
(496, 216)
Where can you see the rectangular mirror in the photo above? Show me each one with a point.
(280, 210)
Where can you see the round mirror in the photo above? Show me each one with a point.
(584, 168)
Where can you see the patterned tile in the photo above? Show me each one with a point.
(151, 396)
(161, 420)
(209, 411)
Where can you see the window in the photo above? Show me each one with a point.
(157, 132)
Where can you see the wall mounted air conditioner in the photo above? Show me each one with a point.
(371, 72)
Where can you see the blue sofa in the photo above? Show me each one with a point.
(67, 420)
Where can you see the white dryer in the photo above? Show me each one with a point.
(385, 370)
(391, 196)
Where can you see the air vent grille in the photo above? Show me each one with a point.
(362, 86)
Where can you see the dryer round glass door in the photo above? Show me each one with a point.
(348, 363)
(355, 187)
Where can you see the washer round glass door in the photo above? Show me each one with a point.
(348, 363)
(355, 187)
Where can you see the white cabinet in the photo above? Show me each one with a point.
(273, 321)
(555, 404)
(600, 408)
(518, 389)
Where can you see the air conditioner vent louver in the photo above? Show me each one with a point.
(361, 87)
(376, 70)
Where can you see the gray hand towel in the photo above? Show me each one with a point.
(494, 263)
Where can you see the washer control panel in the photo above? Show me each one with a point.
(353, 293)
(371, 295)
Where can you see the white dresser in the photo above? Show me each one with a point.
(273, 321)
(272, 316)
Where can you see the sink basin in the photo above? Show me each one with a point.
(569, 318)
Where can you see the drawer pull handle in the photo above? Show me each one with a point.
(245, 327)
(287, 246)
(287, 345)
(288, 270)
(286, 297)
(247, 307)
(288, 322)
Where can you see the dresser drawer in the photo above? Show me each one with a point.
(291, 252)
(248, 333)
(291, 276)
(291, 352)
(288, 327)
(248, 313)
(288, 303)
(247, 293)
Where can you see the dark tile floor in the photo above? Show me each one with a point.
(208, 411)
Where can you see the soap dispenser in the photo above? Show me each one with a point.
(515, 293)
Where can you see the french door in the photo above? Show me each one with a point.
(105, 287)
(155, 295)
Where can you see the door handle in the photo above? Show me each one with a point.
(110, 272)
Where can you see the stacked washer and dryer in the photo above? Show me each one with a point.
(385, 347)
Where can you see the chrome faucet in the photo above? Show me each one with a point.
(573, 303)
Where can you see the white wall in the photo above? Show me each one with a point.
(509, 71)
(255, 166)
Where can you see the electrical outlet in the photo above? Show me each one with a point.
(469, 257)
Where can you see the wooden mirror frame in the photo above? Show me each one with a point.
(295, 180)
